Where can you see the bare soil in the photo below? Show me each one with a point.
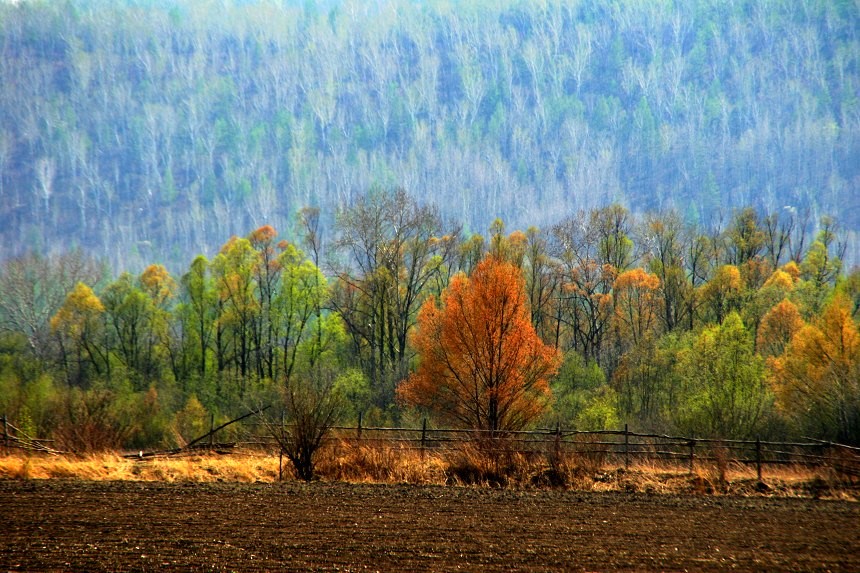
(65, 525)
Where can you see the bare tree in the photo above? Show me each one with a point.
(32, 289)
(395, 248)
(312, 405)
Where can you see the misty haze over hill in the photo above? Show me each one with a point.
(150, 131)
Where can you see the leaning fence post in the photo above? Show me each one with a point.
(626, 448)
(423, 436)
(692, 444)
(758, 457)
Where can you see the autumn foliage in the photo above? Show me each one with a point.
(817, 378)
(637, 302)
(686, 332)
(777, 328)
(482, 365)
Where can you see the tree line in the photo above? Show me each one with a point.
(741, 330)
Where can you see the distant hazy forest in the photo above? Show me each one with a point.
(149, 131)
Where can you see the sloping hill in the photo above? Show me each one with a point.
(147, 131)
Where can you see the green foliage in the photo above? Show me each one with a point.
(819, 269)
(10, 392)
(678, 339)
(723, 383)
(582, 398)
(850, 288)
(131, 322)
(192, 421)
(148, 421)
(40, 400)
(745, 237)
(647, 383)
(353, 387)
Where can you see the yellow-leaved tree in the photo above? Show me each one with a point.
(777, 328)
(722, 294)
(817, 378)
(78, 326)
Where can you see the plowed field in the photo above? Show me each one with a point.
(58, 525)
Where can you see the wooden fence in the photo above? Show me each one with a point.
(615, 446)
(603, 446)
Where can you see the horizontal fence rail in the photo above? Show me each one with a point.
(599, 446)
(609, 446)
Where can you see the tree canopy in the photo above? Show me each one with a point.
(481, 363)
(601, 320)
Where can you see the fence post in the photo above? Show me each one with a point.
(626, 448)
(558, 441)
(423, 436)
(281, 449)
(692, 444)
(359, 426)
(5, 432)
(211, 430)
(758, 457)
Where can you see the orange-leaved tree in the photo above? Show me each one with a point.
(482, 365)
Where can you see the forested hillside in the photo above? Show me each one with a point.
(148, 131)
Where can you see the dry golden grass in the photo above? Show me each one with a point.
(466, 464)
(380, 463)
(108, 467)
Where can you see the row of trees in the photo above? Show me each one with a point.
(602, 319)
(144, 130)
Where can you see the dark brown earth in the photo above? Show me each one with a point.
(58, 525)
